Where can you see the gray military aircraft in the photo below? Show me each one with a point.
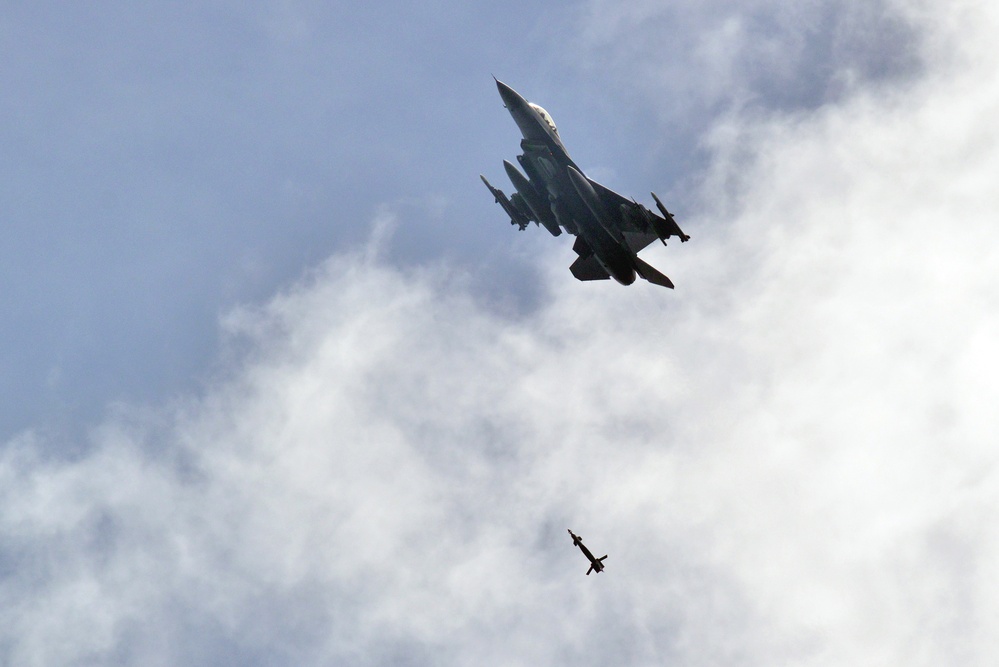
(610, 230)
(596, 564)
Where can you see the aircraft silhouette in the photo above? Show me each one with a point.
(610, 229)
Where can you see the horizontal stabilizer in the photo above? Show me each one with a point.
(650, 273)
(588, 268)
(581, 248)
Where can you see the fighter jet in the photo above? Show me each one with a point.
(610, 229)
(596, 564)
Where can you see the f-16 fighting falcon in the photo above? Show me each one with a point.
(610, 230)
(596, 564)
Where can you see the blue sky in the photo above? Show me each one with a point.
(165, 163)
(283, 386)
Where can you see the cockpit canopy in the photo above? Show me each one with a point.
(546, 116)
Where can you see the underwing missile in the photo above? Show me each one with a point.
(517, 217)
(542, 213)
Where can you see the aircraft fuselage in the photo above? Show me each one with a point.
(558, 171)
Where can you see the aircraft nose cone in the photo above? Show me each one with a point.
(511, 98)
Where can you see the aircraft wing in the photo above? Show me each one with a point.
(639, 225)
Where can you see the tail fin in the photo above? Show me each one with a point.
(597, 565)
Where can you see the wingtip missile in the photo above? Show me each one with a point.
(672, 228)
(486, 182)
(662, 209)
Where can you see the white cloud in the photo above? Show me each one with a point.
(695, 58)
(788, 460)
